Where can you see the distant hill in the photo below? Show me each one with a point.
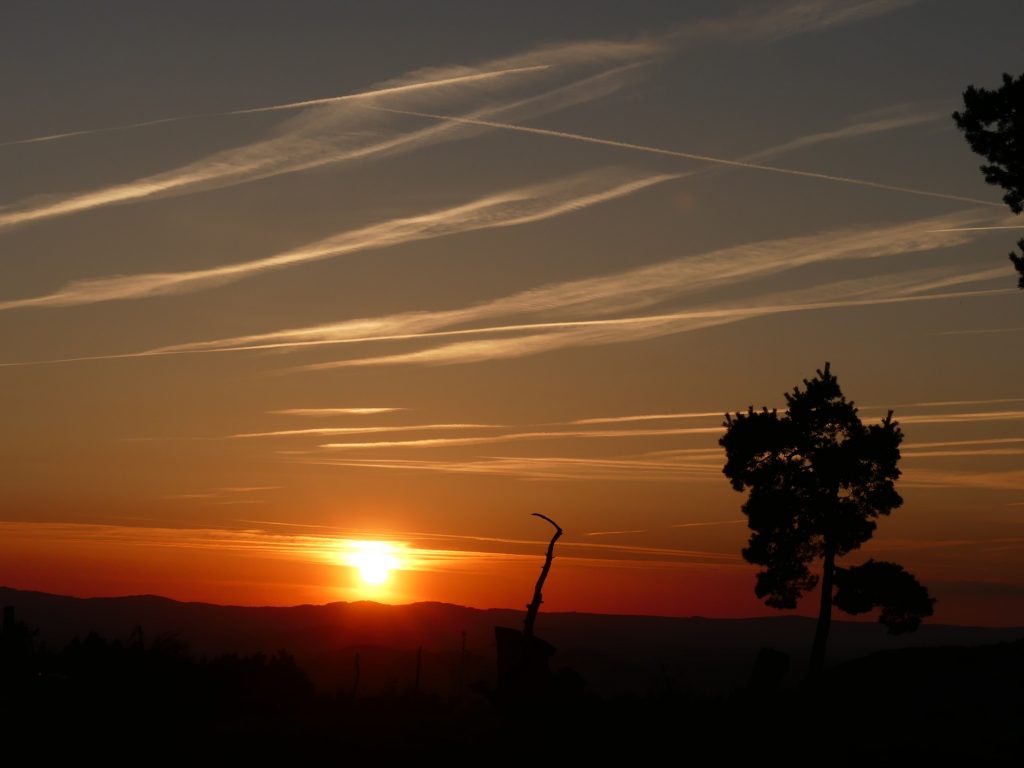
(613, 653)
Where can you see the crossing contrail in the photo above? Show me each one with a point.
(687, 155)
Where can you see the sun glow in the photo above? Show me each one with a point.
(373, 560)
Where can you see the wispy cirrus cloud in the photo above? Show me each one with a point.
(622, 291)
(393, 232)
(555, 336)
(604, 296)
(456, 79)
(504, 209)
(337, 132)
(331, 130)
(852, 131)
(673, 466)
(772, 22)
(804, 16)
(697, 464)
(778, 21)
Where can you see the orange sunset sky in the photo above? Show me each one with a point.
(279, 280)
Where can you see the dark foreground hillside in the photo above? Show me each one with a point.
(144, 696)
(616, 654)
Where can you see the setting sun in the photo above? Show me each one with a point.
(373, 560)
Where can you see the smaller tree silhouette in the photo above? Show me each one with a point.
(993, 124)
(524, 672)
(817, 480)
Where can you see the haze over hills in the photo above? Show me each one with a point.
(613, 653)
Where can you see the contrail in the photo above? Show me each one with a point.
(390, 91)
(639, 287)
(505, 209)
(709, 315)
(618, 330)
(726, 315)
(432, 442)
(122, 287)
(686, 155)
(779, 22)
(326, 137)
(616, 293)
(975, 229)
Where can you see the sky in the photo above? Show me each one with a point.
(283, 279)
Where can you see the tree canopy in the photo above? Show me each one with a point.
(992, 121)
(817, 480)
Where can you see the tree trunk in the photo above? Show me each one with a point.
(824, 615)
(534, 605)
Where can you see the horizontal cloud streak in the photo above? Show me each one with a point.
(946, 403)
(333, 411)
(545, 468)
(963, 453)
(648, 417)
(977, 229)
(952, 443)
(959, 418)
(518, 436)
(419, 550)
(1011, 480)
(363, 430)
